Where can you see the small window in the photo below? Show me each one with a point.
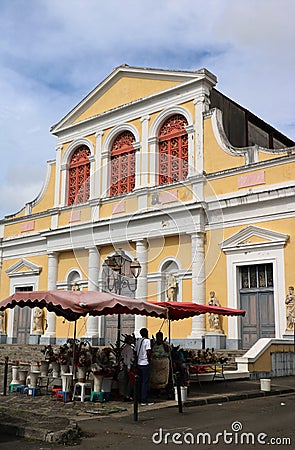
(79, 176)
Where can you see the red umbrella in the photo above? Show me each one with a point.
(74, 304)
(184, 310)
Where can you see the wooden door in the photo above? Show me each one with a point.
(22, 320)
(22, 324)
(256, 298)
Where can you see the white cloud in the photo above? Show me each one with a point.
(54, 52)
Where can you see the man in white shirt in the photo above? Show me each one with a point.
(143, 351)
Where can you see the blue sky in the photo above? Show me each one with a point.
(54, 52)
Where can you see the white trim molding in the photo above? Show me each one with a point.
(240, 250)
(32, 269)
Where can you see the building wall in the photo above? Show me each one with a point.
(195, 223)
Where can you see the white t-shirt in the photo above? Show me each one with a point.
(127, 355)
(142, 345)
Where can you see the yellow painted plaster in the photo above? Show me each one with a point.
(166, 247)
(70, 260)
(14, 229)
(64, 217)
(216, 159)
(190, 107)
(65, 329)
(130, 203)
(262, 156)
(125, 90)
(47, 201)
(40, 260)
(263, 363)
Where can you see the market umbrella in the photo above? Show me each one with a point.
(75, 304)
(184, 310)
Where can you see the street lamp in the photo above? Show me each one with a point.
(121, 273)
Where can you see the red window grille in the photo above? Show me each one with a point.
(173, 150)
(79, 176)
(122, 164)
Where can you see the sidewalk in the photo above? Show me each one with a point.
(45, 419)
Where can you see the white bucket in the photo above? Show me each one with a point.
(265, 384)
(183, 392)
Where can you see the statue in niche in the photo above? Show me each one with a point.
(38, 321)
(290, 308)
(2, 322)
(214, 319)
(171, 288)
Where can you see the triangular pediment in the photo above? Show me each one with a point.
(125, 85)
(254, 237)
(23, 267)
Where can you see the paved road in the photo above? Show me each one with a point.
(265, 421)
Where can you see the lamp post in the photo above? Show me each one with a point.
(121, 272)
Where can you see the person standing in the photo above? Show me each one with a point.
(127, 355)
(143, 352)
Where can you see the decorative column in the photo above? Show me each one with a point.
(136, 146)
(105, 167)
(145, 151)
(57, 176)
(142, 288)
(97, 183)
(93, 324)
(153, 161)
(191, 150)
(202, 104)
(92, 177)
(198, 284)
(50, 333)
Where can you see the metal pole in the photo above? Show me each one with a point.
(119, 319)
(74, 351)
(179, 400)
(5, 375)
(135, 397)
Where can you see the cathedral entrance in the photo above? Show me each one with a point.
(257, 299)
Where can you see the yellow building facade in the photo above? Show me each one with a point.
(162, 165)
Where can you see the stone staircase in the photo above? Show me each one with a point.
(24, 354)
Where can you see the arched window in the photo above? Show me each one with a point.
(79, 173)
(122, 164)
(173, 150)
(72, 280)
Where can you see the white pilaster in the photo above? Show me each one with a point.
(93, 324)
(98, 168)
(105, 167)
(153, 161)
(201, 106)
(92, 177)
(63, 194)
(142, 288)
(136, 145)
(144, 151)
(57, 176)
(198, 282)
(52, 278)
(191, 150)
